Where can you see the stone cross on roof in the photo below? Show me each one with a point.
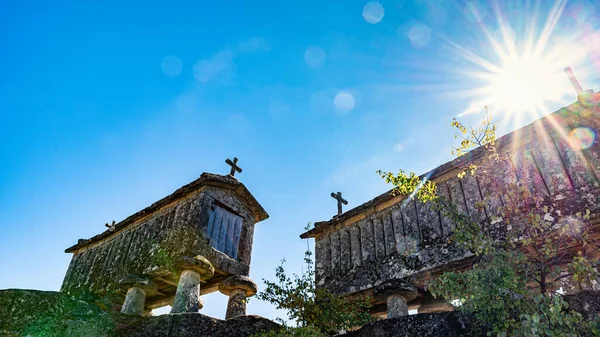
(338, 196)
(234, 166)
(111, 227)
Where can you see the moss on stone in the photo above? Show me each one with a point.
(48, 314)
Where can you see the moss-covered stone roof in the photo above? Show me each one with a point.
(206, 179)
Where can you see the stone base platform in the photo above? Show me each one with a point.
(196, 324)
(422, 325)
(55, 314)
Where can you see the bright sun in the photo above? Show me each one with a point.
(524, 84)
(527, 73)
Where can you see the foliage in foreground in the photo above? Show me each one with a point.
(316, 312)
(521, 257)
(52, 314)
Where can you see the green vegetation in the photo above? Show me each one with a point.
(522, 261)
(316, 312)
(52, 314)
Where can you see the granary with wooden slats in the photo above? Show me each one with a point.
(392, 245)
(195, 241)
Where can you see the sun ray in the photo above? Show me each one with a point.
(466, 93)
(495, 44)
(558, 128)
(530, 29)
(509, 44)
(469, 55)
(551, 22)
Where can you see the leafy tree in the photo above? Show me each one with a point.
(522, 253)
(316, 311)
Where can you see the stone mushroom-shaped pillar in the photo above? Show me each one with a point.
(397, 293)
(193, 269)
(238, 288)
(137, 288)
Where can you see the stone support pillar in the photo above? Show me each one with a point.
(396, 306)
(135, 300)
(396, 293)
(137, 288)
(187, 296)
(238, 288)
(236, 305)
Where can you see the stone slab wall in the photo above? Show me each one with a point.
(554, 157)
(394, 243)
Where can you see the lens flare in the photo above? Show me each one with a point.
(582, 138)
(373, 12)
(344, 102)
(419, 35)
(171, 65)
(315, 57)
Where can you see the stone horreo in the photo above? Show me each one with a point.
(391, 246)
(195, 241)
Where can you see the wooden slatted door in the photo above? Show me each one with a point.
(224, 230)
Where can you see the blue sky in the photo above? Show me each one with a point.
(106, 107)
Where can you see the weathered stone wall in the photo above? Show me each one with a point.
(388, 244)
(396, 237)
(156, 240)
